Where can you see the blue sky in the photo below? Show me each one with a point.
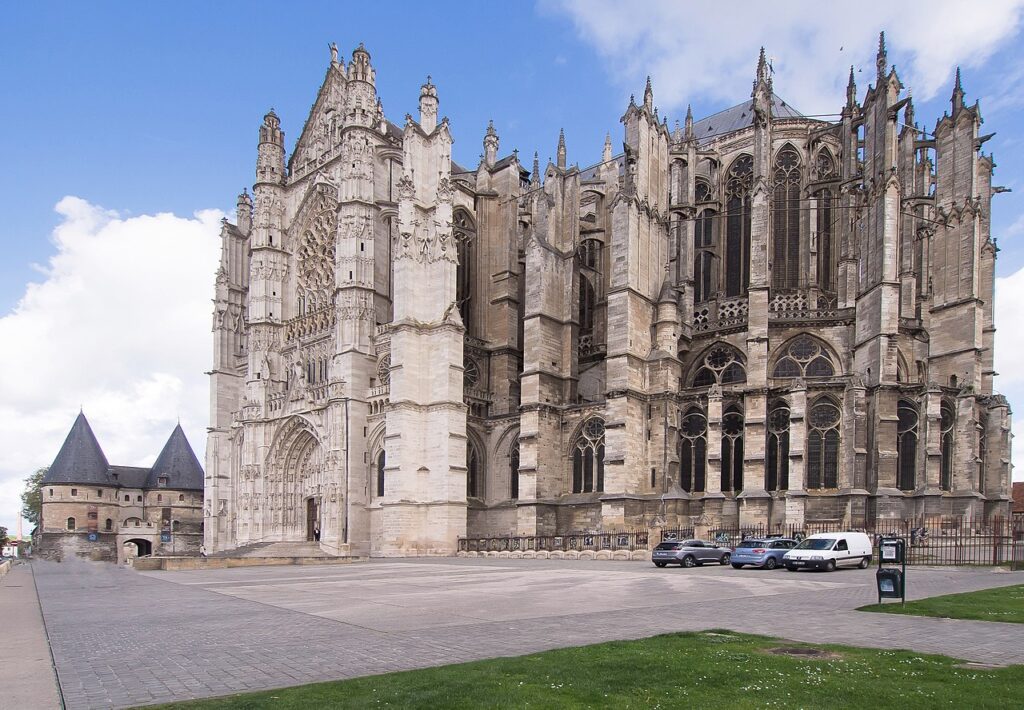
(144, 116)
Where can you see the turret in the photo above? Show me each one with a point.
(359, 69)
(490, 145)
(361, 93)
(535, 175)
(688, 126)
(560, 159)
(428, 107)
(270, 158)
(243, 212)
(649, 96)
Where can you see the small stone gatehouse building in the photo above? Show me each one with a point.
(98, 511)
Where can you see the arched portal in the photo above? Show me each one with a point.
(137, 547)
(298, 497)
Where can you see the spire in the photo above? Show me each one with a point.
(688, 131)
(490, 144)
(80, 459)
(535, 175)
(851, 90)
(958, 93)
(428, 106)
(881, 61)
(561, 149)
(177, 463)
(648, 95)
(606, 154)
(908, 114)
(764, 75)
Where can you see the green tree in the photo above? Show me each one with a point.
(3, 536)
(32, 497)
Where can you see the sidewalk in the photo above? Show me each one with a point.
(27, 679)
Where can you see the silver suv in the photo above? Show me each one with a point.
(689, 553)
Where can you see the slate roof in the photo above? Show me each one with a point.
(129, 476)
(737, 117)
(80, 459)
(178, 463)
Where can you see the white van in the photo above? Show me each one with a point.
(830, 550)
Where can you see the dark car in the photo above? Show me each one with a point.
(762, 552)
(689, 553)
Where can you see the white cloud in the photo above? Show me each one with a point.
(119, 325)
(1009, 317)
(710, 54)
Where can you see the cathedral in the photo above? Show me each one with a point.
(756, 318)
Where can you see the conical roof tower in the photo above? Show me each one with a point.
(80, 459)
(178, 463)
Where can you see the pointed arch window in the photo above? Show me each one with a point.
(704, 255)
(947, 420)
(739, 183)
(777, 463)
(823, 422)
(827, 253)
(732, 449)
(465, 238)
(381, 462)
(804, 357)
(907, 421)
(588, 299)
(590, 254)
(474, 473)
(588, 457)
(721, 365)
(786, 220)
(693, 451)
(513, 465)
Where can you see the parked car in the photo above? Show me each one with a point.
(689, 553)
(762, 552)
(830, 550)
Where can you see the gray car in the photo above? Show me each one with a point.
(689, 553)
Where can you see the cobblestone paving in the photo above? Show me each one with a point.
(123, 638)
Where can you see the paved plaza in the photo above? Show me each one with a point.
(121, 637)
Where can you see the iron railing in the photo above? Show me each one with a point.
(942, 541)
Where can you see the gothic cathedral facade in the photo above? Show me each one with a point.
(755, 318)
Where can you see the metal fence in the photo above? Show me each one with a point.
(579, 541)
(941, 541)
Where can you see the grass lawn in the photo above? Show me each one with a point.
(1001, 604)
(691, 670)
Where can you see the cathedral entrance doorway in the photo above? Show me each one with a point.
(312, 520)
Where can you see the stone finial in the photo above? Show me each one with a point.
(958, 93)
(881, 59)
(764, 74)
(428, 106)
(648, 95)
(535, 175)
(561, 149)
(688, 130)
(606, 154)
(490, 144)
(851, 90)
